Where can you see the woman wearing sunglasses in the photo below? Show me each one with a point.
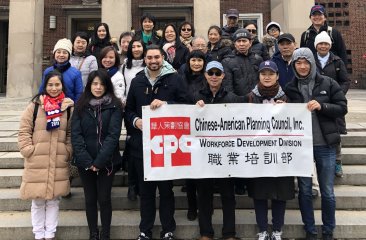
(186, 33)
(257, 47)
(214, 93)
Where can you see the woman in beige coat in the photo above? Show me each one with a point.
(44, 141)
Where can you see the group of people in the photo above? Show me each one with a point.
(93, 86)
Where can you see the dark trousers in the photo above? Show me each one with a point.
(97, 190)
(131, 167)
(205, 189)
(191, 194)
(148, 205)
(261, 214)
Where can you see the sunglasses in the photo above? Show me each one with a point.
(252, 30)
(217, 74)
(186, 29)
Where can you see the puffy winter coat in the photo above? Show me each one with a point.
(335, 69)
(241, 72)
(219, 52)
(46, 156)
(260, 49)
(98, 149)
(333, 103)
(72, 81)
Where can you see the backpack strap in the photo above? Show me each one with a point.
(330, 33)
(35, 112)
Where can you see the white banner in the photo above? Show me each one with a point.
(227, 140)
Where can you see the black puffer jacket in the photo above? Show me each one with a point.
(241, 72)
(222, 96)
(260, 49)
(338, 44)
(332, 100)
(227, 32)
(219, 52)
(335, 69)
(169, 87)
(88, 149)
(194, 84)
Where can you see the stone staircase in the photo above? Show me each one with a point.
(15, 220)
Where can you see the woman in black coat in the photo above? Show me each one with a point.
(217, 49)
(95, 131)
(276, 189)
(175, 51)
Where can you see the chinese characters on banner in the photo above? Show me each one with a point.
(227, 140)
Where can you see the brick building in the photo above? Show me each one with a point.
(60, 18)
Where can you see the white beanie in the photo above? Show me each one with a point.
(63, 44)
(322, 37)
(275, 24)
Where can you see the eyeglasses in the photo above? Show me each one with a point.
(252, 30)
(217, 74)
(272, 30)
(186, 29)
(199, 46)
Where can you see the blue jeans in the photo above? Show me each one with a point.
(325, 166)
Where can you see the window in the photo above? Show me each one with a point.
(254, 17)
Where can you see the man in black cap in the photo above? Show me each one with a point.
(287, 46)
(241, 67)
(319, 24)
(232, 16)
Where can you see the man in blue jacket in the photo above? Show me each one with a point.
(287, 45)
(156, 85)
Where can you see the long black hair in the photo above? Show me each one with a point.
(43, 91)
(95, 39)
(129, 51)
(177, 39)
(87, 95)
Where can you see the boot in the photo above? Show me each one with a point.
(94, 235)
(105, 235)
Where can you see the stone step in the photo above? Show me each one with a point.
(72, 225)
(354, 139)
(350, 156)
(352, 175)
(347, 198)
(10, 144)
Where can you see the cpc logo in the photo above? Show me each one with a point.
(170, 145)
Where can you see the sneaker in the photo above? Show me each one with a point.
(311, 236)
(168, 236)
(276, 235)
(131, 194)
(263, 235)
(338, 169)
(142, 236)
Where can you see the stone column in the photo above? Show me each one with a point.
(117, 14)
(25, 47)
(293, 16)
(206, 13)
